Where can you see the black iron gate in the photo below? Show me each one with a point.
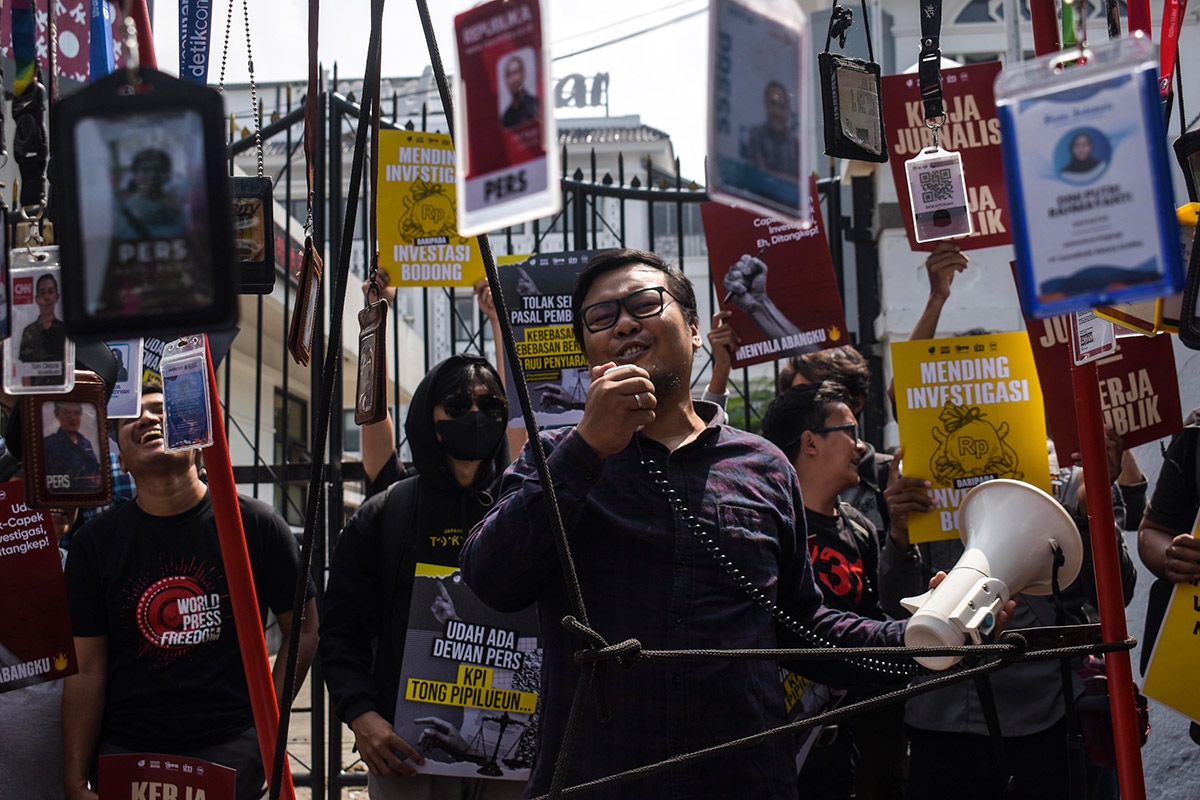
(597, 212)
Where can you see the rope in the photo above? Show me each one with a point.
(333, 351)
(1012, 643)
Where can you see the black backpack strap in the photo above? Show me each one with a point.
(847, 512)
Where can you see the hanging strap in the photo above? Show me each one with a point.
(310, 105)
(1112, 15)
(255, 104)
(841, 19)
(1168, 53)
(373, 206)
(337, 304)
(145, 35)
(929, 63)
(3, 139)
(100, 52)
(30, 141)
(24, 46)
(195, 40)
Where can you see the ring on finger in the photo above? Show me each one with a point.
(637, 398)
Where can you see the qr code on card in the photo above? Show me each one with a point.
(936, 185)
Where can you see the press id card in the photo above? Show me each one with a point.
(187, 417)
(39, 358)
(1087, 168)
(938, 193)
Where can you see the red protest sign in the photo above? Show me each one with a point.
(1139, 388)
(972, 129)
(35, 626)
(164, 776)
(778, 281)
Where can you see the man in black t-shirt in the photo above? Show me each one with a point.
(160, 669)
(816, 429)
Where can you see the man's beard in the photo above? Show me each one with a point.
(666, 382)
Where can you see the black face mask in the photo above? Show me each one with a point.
(472, 437)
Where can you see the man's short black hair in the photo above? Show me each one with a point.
(799, 409)
(675, 282)
(843, 365)
(48, 276)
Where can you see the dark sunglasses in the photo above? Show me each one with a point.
(850, 429)
(493, 407)
(641, 304)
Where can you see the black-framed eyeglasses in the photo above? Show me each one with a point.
(493, 407)
(850, 429)
(643, 303)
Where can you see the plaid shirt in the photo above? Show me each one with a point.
(645, 576)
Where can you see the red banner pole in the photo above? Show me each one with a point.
(1110, 597)
(242, 596)
(1126, 737)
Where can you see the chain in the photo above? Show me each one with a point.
(767, 604)
(225, 48)
(254, 102)
(255, 109)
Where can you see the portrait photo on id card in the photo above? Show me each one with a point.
(145, 245)
(70, 446)
(1089, 192)
(756, 97)
(39, 350)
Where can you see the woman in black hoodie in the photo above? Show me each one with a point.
(456, 431)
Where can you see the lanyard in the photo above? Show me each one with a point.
(30, 141)
(1168, 52)
(195, 37)
(929, 63)
(310, 104)
(100, 55)
(24, 45)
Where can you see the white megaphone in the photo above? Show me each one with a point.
(1009, 530)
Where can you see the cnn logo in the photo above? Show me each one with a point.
(22, 293)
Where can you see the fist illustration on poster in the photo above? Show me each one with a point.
(746, 288)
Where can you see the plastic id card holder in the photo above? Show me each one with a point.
(938, 192)
(39, 358)
(1089, 186)
(758, 89)
(187, 417)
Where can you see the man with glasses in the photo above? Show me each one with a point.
(628, 478)
(380, 587)
(815, 428)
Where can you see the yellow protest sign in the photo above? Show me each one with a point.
(419, 244)
(1171, 676)
(970, 409)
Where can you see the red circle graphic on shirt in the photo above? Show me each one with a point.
(158, 608)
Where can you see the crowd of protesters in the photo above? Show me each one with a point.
(686, 534)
